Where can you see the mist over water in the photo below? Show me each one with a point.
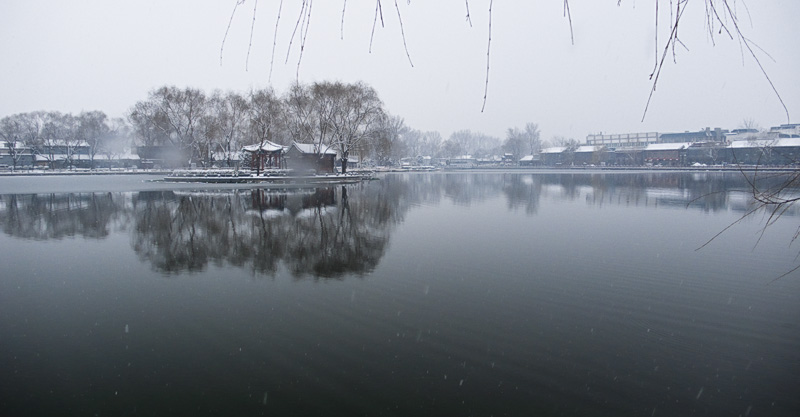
(417, 294)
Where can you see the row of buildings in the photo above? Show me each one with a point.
(260, 157)
(61, 154)
(778, 146)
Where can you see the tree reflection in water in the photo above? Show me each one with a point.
(318, 232)
(56, 216)
(336, 231)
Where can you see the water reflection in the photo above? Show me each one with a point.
(319, 232)
(55, 216)
(330, 232)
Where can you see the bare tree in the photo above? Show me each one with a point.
(515, 142)
(266, 118)
(750, 124)
(302, 115)
(474, 143)
(418, 143)
(452, 148)
(334, 115)
(120, 134)
(355, 117)
(388, 142)
(563, 141)
(148, 124)
(94, 131)
(232, 113)
(265, 115)
(182, 110)
(207, 135)
(532, 137)
(58, 138)
(12, 132)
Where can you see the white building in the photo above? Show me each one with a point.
(623, 140)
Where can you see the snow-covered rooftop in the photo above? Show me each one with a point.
(675, 146)
(586, 148)
(266, 146)
(312, 148)
(762, 143)
(554, 149)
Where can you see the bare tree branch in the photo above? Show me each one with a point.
(252, 28)
(488, 55)
(227, 29)
(303, 39)
(275, 41)
(294, 32)
(378, 12)
(341, 27)
(568, 15)
(728, 22)
(403, 33)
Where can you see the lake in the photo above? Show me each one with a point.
(471, 294)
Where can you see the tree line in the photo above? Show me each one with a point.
(331, 115)
(54, 134)
(349, 118)
(202, 128)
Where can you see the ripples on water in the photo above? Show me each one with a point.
(429, 294)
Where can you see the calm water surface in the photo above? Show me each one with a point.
(469, 294)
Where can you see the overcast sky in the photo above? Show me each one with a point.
(75, 55)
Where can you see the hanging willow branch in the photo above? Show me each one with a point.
(403, 33)
(252, 29)
(568, 15)
(274, 41)
(378, 12)
(488, 55)
(341, 26)
(718, 12)
(720, 18)
(227, 29)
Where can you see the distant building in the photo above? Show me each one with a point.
(554, 155)
(667, 154)
(786, 130)
(161, 157)
(706, 135)
(463, 161)
(641, 140)
(591, 155)
(783, 151)
(310, 157)
(264, 155)
(123, 158)
(62, 154)
(530, 160)
(23, 155)
(623, 140)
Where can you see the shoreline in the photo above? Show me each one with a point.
(212, 174)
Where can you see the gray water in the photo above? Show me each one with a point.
(569, 294)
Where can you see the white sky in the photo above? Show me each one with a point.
(70, 56)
